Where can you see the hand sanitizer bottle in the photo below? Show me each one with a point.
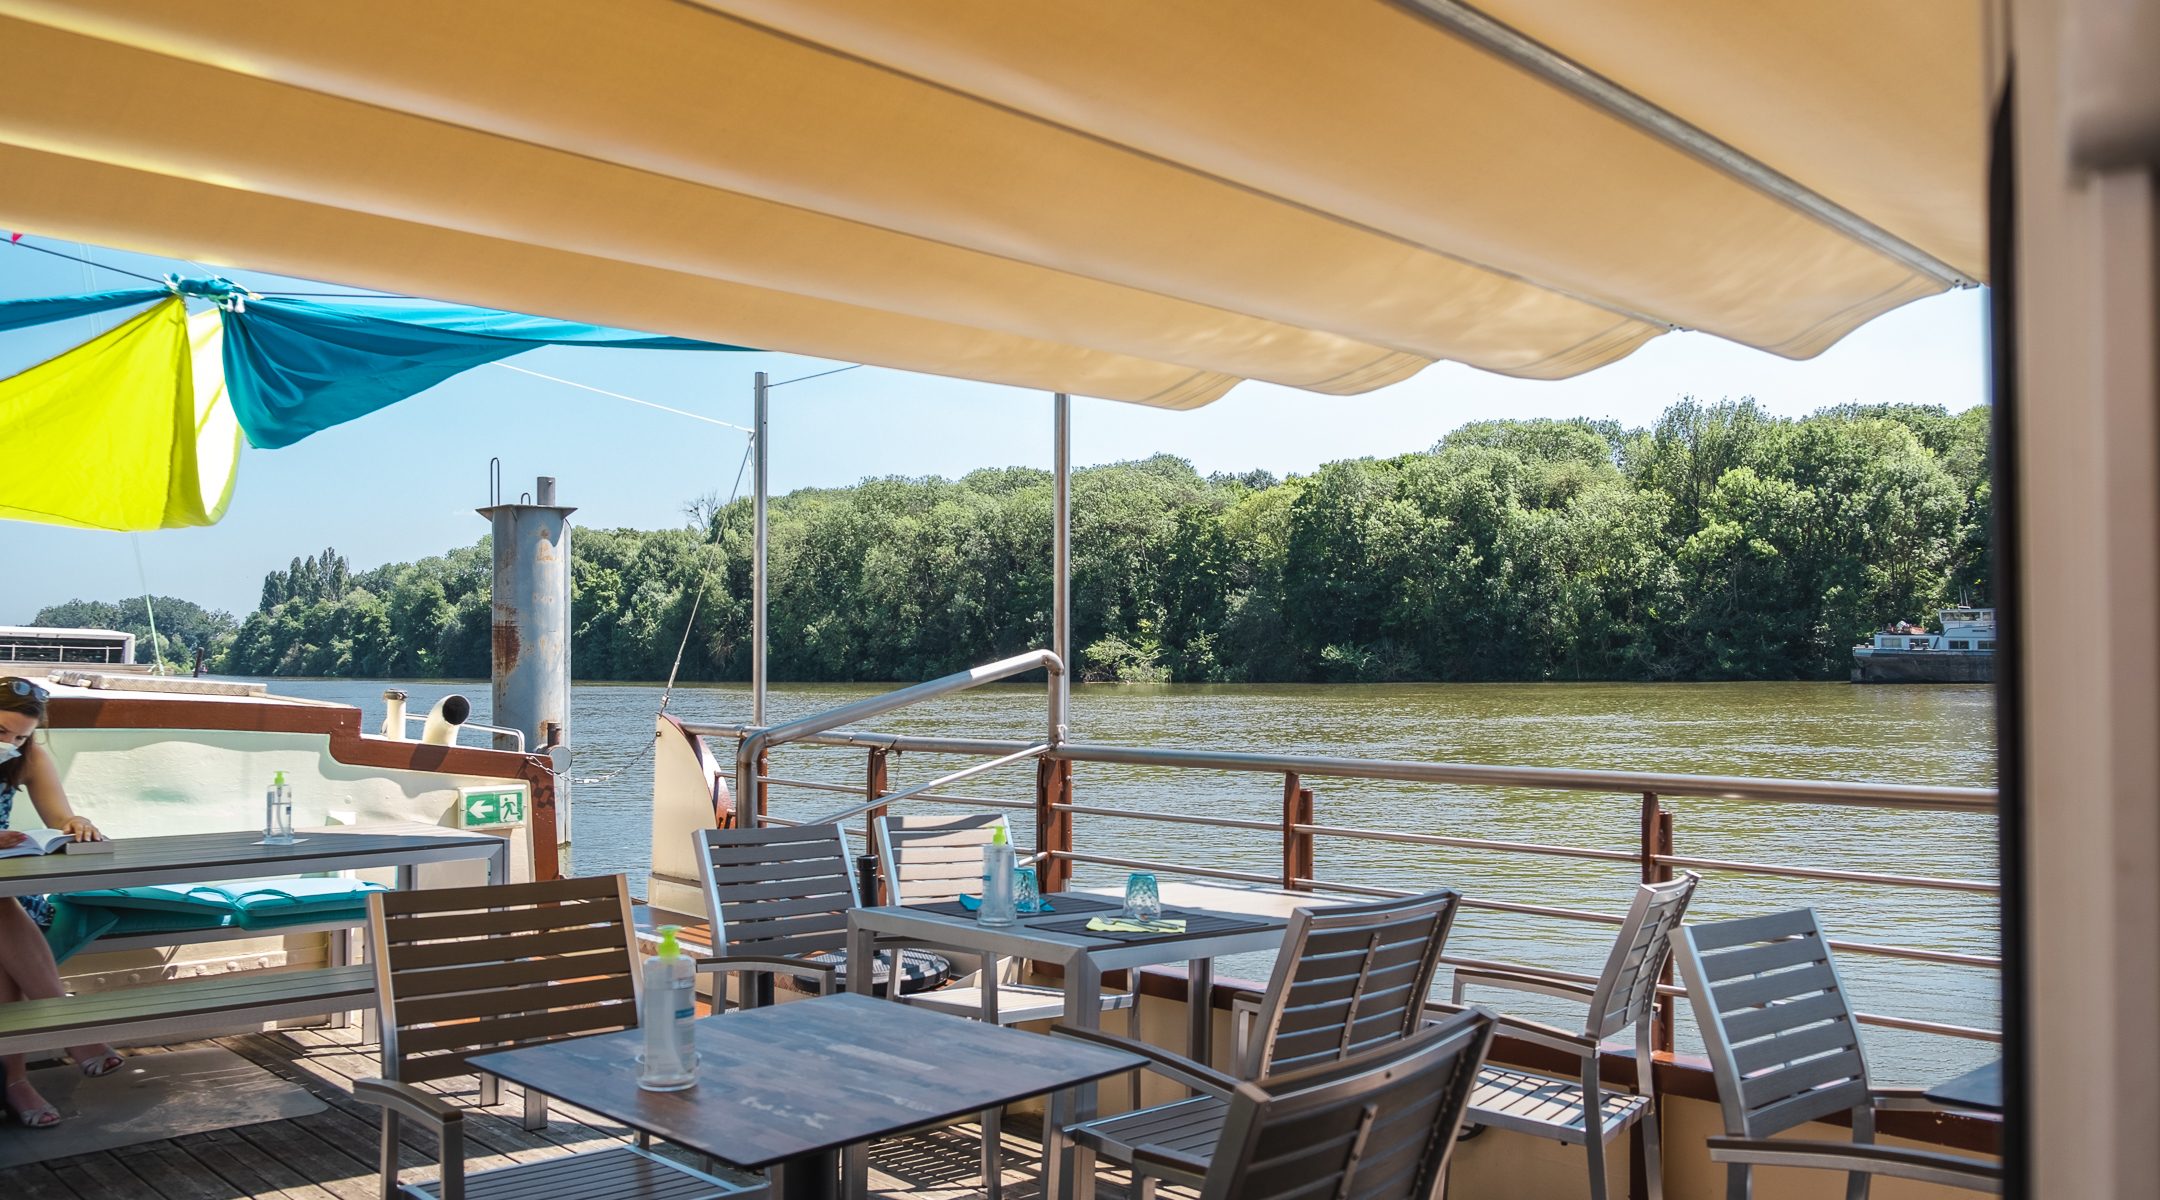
(277, 812)
(669, 1062)
(284, 808)
(997, 895)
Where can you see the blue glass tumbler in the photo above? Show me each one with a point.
(1143, 897)
(1027, 896)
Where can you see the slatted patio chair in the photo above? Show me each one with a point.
(1783, 1042)
(465, 971)
(778, 898)
(1350, 978)
(928, 859)
(1625, 995)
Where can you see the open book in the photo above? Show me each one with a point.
(52, 841)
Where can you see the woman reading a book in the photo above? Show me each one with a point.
(27, 969)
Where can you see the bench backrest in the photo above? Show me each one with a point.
(1378, 1126)
(777, 890)
(463, 971)
(1349, 978)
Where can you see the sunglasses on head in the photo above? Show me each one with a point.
(23, 687)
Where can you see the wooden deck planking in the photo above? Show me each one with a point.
(331, 1155)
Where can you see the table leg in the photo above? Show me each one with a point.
(408, 877)
(861, 959)
(1200, 1008)
(1069, 1170)
(855, 1159)
(993, 1120)
(809, 1177)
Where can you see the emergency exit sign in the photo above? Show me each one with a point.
(491, 808)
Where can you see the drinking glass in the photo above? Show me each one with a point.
(1143, 897)
(1027, 897)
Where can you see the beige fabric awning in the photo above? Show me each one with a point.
(1132, 199)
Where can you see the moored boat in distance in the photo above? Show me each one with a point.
(1964, 652)
(52, 648)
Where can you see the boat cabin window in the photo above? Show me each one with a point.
(1961, 645)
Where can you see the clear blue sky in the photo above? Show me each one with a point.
(403, 483)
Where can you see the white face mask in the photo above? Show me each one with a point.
(9, 753)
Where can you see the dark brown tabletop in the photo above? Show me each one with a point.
(1980, 1088)
(798, 1079)
(201, 857)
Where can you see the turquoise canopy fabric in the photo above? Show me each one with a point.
(22, 314)
(297, 367)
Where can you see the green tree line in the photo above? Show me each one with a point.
(183, 626)
(1720, 543)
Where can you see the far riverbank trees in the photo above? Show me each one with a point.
(1721, 543)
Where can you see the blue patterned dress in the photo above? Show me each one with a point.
(39, 907)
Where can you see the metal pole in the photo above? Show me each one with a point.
(758, 441)
(1061, 568)
(530, 634)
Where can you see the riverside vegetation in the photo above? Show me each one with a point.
(1721, 543)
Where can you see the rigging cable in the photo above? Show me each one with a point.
(143, 577)
(619, 396)
(86, 261)
(667, 693)
(819, 375)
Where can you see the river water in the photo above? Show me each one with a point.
(1941, 735)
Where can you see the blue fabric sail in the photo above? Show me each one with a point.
(297, 367)
(22, 314)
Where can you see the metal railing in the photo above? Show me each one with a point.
(755, 743)
(1654, 856)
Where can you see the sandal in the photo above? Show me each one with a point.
(38, 1116)
(103, 1060)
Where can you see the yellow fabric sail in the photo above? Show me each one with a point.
(127, 431)
(1122, 198)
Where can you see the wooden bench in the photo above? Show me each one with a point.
(182, 1008)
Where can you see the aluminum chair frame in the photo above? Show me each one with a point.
(460, 970)
(806, 906)
(1389, 949)
(1350, 1129)
(1784, 1045)
(809, 906)
(1625, 995)
(968, 832)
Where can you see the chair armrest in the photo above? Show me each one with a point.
(1175, 1066)
(408, 1101)
(1926, 1166)
(404, 1100)
(1521, 982)
(1169, 1165)
(1916, 1099)
(1244, 1015)
(1536, 1032)
(827, 973)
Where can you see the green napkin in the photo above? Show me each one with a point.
(1129, 925)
